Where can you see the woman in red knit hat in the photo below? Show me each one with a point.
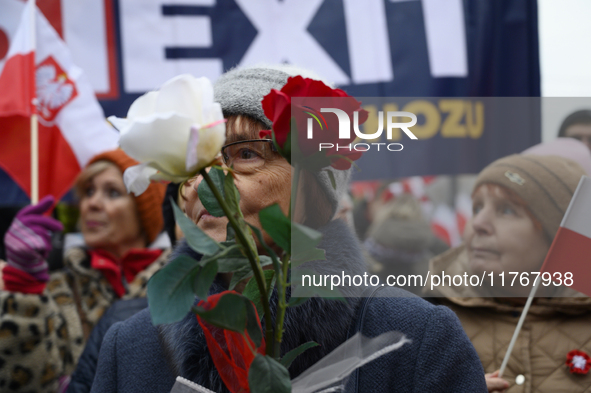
(47, 317)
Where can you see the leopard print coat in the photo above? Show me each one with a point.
(42, 336)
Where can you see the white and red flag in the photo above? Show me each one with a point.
(463, 210)
(39, 77)
(571, 249)
(444, 225)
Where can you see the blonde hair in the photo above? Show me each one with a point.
(88, 173)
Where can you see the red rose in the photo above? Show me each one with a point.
(231, 353)
(578, 362)
(278, 107)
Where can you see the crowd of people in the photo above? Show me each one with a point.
(85, 327)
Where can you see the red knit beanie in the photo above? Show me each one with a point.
(149, 203)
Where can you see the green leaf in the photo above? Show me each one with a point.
(252, 323)
(289, 357)
(246, 271)
(252, 292)
(230, 313)
(304, 238)
(170, 290)
(240, 275)
(316, 161)
(230, 233)
(303, 245)
(267, 375)
(333, 182)
(335, 157)
(206, 195)
(196, 238)
(232, 259)
(233, 312)
(229, 243)
(276, 264)
(204, 278)
(313, 254)
(231, 250)
(277, 225)
(229, 265)
(287, 144)
(251, 244)
(313, 162)
(285, 151)
(231, 195)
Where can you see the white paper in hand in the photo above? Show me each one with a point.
(183, 385)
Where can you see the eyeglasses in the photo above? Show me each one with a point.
(249, 155)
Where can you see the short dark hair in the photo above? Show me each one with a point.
(579, 117)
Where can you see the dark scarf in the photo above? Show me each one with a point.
(321, 320)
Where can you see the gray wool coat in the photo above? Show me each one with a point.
(139, 357)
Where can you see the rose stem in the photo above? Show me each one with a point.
(256, 267)
(281, 302)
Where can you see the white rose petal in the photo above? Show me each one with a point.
(159, 138)
(157, 130)
(213, 113)
(119, 123)
(137, 178)
(191, 158)
(186, 96)
(143, 106)
(161, 176)
(211, 141)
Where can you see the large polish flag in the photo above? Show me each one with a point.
(571, 249)
(39, 77)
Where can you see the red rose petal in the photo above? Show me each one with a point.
(277, 107)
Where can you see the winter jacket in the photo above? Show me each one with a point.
(553, 328)
(139, 357)
(83, 376)
(42, 336)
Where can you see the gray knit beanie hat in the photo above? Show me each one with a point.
(240, 92)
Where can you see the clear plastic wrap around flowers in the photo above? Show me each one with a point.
(329, 373)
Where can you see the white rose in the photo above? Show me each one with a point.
(173, 132)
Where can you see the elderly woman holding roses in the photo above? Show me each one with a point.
(139, 357)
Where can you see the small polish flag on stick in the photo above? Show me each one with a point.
(570, 252)
(571, 249)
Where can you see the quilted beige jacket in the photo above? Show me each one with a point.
(42, 336)
(553, 327)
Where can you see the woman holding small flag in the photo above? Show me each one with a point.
(48, 316)
(518, 204)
